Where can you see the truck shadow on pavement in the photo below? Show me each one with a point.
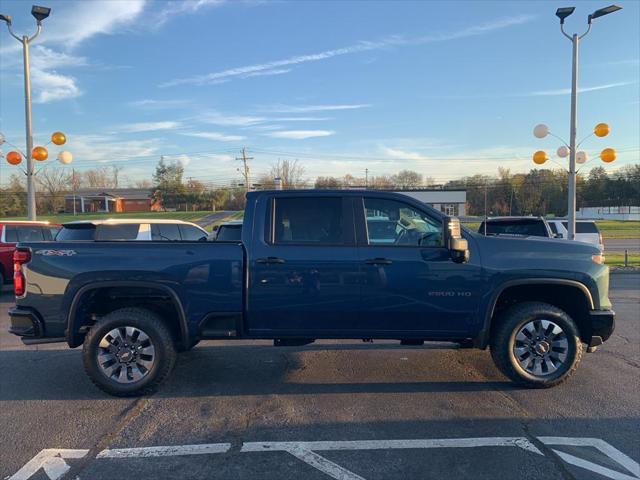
(258, 370)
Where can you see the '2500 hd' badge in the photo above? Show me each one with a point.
(56, 253)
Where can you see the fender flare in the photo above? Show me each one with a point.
(482, 339)
(72, 328)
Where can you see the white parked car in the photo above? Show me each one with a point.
(586, 231)
(132, 229)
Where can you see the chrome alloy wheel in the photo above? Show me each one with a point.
(541, 347)
(126, 354)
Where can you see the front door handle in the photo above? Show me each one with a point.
(270, 260)
(378, 261)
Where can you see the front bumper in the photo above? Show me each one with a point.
(603, 322)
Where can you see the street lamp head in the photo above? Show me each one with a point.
(604, 11)
(5, 18)
(40, 13)
(563, 13)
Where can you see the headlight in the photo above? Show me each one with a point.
(598, 258)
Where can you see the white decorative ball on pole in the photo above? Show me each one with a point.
(563, 151)
(581, 157)
(540, 130)
(65, 157)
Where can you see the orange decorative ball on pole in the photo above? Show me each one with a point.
(59, 138)
(39, 153)
(14, 158)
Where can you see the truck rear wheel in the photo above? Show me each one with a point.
(129, 352)
(536, 345)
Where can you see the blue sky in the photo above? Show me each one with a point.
(444, 88)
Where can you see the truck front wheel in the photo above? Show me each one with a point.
(536, 345)
(129, 352)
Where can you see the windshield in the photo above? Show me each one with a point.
(229, 233)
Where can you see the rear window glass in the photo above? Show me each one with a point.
(27, 233)
(76, 232)
(313, 220)
(534, 228)
(127, 231)
(229, 233)
(584, 227)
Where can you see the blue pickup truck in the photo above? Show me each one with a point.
(316, 265)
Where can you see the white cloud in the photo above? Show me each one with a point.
(403, 154)
(152, 104)
(183, 159)
(148, 126)
(177, 7)
(221, 137)
(91, 149)
(218, 118)
(265, 73)
(362, 46)
(84, 20)
(313, 108)
(567, 91)
(300, 134)
(51, 86)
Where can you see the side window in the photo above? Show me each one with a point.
(10, 234)
(394, 223)
(308, 220)
(191, 234)
(30, 234)
(165, 231)
(553, 228)
(127, 231)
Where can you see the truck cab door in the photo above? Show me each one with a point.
(410, 285)
(303, 267)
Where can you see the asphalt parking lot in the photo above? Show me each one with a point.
(342, 410)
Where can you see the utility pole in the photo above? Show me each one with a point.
(245, 169)
(366, 178)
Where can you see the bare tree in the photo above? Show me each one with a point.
(142, 184)
(328, 182)
(407, 179)
(290, 172)
(53, 182)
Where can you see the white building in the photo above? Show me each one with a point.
(609, 213)
(449, 202)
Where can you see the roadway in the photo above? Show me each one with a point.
(378, 411)
(622, 244)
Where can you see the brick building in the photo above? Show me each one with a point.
(117, 200)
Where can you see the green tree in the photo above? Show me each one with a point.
(168, 188)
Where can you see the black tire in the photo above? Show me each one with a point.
(160, 339)
(503, 344)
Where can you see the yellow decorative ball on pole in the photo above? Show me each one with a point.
(39, 153)
(59, 138)
(608, 155)
(601, 130)
(540, 157)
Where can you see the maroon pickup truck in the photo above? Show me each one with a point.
(14, 232)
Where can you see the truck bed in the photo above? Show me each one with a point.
(206, 277)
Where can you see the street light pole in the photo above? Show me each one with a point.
(562, 14)
(573, 130)
(31, 184)
(39, 13)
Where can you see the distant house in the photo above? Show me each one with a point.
(116, 200)
(449, 202)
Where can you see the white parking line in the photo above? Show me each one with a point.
(171, 451)
(395, 444)
(53, 464)
(51, 461)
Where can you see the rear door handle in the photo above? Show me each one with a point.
(270, 260)
(378, 261)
